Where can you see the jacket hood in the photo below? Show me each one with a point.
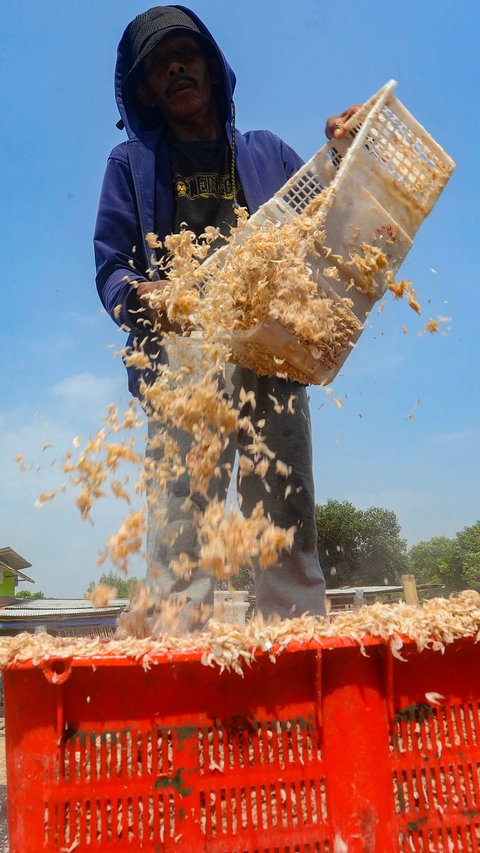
(136, 120)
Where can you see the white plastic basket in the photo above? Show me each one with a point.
(385, 176)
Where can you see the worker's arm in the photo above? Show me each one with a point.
(122, 279)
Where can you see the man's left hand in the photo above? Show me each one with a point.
(335, 125)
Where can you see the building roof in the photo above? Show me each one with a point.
(62, 617)
(346, 591)
(13, 562)
(54, 607)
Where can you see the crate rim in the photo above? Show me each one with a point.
(176, 656)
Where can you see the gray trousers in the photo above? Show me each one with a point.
(295, 585)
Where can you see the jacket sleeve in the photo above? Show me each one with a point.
(291, 160)
(118, 242)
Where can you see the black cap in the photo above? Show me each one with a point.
(149, 28)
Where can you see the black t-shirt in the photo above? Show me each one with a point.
(202, 185)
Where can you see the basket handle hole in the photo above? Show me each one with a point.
(57, 671)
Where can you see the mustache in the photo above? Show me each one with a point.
(180, 78)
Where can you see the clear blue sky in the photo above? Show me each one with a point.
(296, 63)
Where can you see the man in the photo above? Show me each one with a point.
(185, 162)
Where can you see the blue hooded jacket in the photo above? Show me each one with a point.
(137, 193)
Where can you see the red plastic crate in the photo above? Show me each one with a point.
(324, 751)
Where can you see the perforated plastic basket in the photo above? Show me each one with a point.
(324, 751)
(385, 176)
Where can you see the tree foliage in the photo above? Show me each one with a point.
(359, 547)
(29, 596)
(466, 558)
(453, 562)
(123, 585)
(431, 562)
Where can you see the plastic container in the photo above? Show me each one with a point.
(231, 606)
(385, 176)
(324, 751)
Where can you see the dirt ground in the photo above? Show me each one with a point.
(3, 791)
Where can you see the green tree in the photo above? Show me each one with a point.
(466, 557)
(432, 561)
(359, 547)
(30, 596)
(123, 585)
(337, 529)
(453, 562)
(383, 553)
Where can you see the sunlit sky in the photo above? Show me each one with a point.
(295, 64)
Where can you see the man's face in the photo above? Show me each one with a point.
(178, 79)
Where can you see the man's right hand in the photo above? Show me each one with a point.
(144, 290)
(157, 315)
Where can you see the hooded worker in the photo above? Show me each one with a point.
(185, 162)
